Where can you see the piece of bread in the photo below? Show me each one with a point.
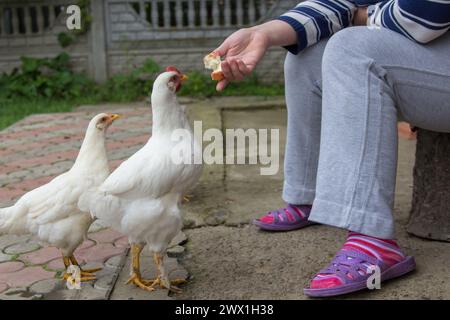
(217, 75)
(213, 62)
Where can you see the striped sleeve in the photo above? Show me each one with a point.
(314, 20)
(419, 20)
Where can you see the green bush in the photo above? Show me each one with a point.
(198, 85)
(53, 78)
(201, 85)
(46, 78)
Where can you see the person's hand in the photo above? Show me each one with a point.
(242, 51)
(361, 16)
(245, 48)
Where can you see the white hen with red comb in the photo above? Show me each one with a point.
(141, 197)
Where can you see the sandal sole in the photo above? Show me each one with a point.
(395, 271)
(274, 227)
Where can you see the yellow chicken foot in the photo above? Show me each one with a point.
(173, 284)
(83, 272)
(137, 280)
(69, 277)
(72, 277)
(187, 198)
(135, 277)
(158, 258)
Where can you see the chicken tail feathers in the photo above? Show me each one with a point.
(4, 214)
(12, 219)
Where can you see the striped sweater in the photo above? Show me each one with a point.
(419, 20)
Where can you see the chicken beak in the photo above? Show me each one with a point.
(115, 117)
(184, 77)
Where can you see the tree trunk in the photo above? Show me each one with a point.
(430, 212)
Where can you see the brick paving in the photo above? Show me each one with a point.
(32, 152)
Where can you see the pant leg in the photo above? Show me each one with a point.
(368, 76)
(304, 105)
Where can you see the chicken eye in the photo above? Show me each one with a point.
(103, 119)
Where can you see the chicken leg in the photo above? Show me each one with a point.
(162, 279)
(136, 277)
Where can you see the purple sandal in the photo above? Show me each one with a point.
(285, 219)
(350, 267)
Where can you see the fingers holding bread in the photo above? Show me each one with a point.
(213, 62)
(231, 69)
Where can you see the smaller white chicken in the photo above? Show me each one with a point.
(51, 212)
(141, 197)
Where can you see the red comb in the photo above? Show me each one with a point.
(172, 68)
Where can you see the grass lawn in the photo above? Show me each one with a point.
(14, 110)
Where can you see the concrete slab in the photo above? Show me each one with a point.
(244, 263)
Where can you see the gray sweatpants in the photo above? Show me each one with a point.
(344, 98)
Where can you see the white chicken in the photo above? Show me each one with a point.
(51, 211)
(141, 197)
